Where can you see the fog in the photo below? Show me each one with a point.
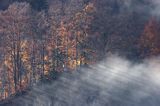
(113, 82)
(151, 7)
(156, 9)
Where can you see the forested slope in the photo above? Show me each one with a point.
(42, 37)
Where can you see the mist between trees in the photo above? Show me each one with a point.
(37, 45)
(38, 40)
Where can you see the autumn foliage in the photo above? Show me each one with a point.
(149, 40)
(39, 40)
(35, 46)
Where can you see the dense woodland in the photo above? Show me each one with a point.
(42, 37)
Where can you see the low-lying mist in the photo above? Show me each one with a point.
(113, 82)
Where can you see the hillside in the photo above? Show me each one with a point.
(40, 38)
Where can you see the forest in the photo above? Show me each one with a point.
(40, 38)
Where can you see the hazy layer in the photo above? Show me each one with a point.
(113, 82)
